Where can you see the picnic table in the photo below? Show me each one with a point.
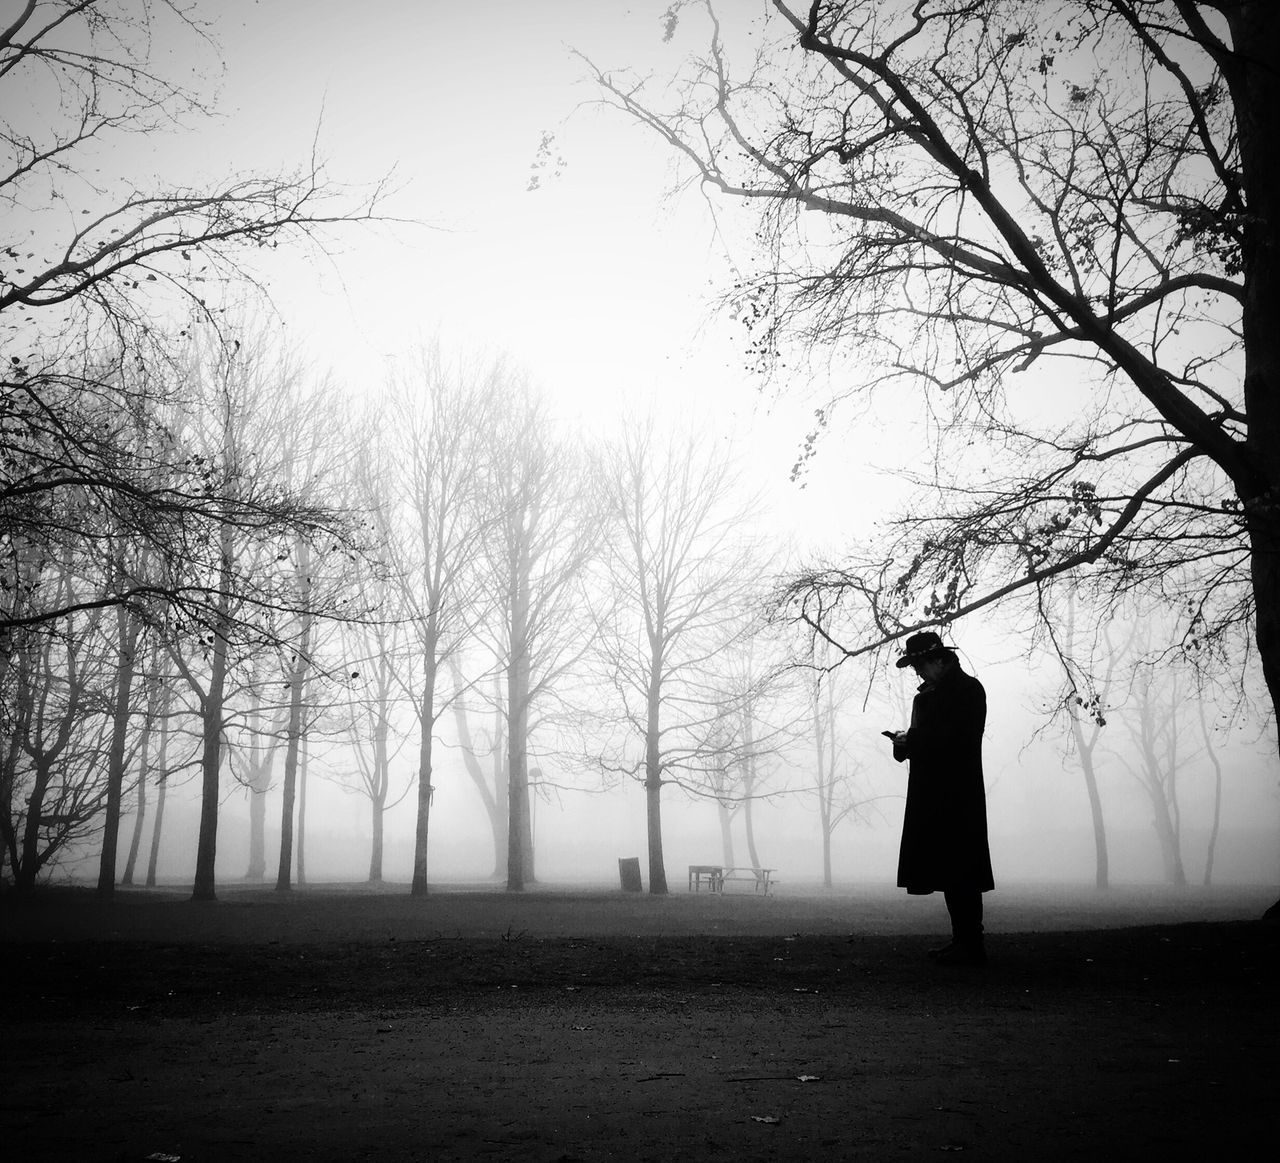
(714, 876)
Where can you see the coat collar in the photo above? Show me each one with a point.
(947, 677)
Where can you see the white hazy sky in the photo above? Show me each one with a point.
(597, 283)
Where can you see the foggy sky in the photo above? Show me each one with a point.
(604, 290)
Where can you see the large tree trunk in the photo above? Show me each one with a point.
(376, 842)
(519, 828)
(825, 779)
(153, 856)
(532, 779)
(1255, 89)
(8, 775)
(127, 629)
(378, 798)
(495, 798)
(748, 794)
(262, 754)
(1167, 833)
(302, 811)
(296, 728)
(162, 786)
(517, 771)
(1101, 861)
(210, 770)
(24, 877)
(257, 868)
(140, 816)
(426, 724)
(288, 804)
(726, 832)
(135, 834)
(211, 729)
(258, 780)
(653, 783)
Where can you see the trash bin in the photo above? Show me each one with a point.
(629, 873)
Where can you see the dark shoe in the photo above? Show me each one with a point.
(938, 950)
(957, 954)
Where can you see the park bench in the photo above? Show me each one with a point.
(714, 877)
(705, 875)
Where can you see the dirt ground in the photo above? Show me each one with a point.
(335, 1024)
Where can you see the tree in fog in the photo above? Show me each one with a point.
(1157, 745)
(1215, 763)
(306, 423)
(57, 737)
(439, 416)
(836, 763)
(754, 726)
(1086, 701)
(258, 592)
(1128, 713)
(125, 642)
(95, 278)
(150, 710)
(375, 650)
(485, 756)
(681, 571)
(956, 196)
(57, 580)
(253, 744)
(544, 537)
(95, 275)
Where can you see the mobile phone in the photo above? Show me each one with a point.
(889, 734)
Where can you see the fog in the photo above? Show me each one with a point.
(535, 300)
(1037, 806)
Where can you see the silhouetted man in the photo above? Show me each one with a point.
(944, 829)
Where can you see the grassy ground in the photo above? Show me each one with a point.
(587, 1024)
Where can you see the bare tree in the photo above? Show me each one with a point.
(128, 630)
(836, 768)
(252, 751)
(78, 77)
(376, 655)
(57, 738)
(681, 571)
(150, 713)
(164, 777)
(1155, 730)
(304, 419)
(1211, 750)
(756, 723)
(439, 417)
(1086, 701)
(491, 785)
(97, 276)
(260, 590)
(960, 193)
(544, 538)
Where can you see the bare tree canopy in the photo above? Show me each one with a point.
(99, 281)
(78, 76)
(1056, 224)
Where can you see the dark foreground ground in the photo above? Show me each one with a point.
(344, 1025)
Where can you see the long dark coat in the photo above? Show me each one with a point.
(944, 829)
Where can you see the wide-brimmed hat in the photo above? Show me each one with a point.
(920, 646)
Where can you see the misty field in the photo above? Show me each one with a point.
(584, 1023)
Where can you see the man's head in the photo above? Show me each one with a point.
(927, 655)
